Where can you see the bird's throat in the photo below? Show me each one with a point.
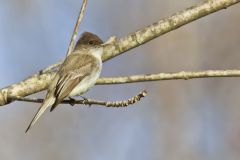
(97, 52)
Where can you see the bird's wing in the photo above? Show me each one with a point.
(74, 69)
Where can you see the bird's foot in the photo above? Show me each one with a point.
(72, 101)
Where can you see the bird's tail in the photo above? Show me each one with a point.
(47, 102)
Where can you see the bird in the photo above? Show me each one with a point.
(76, 75)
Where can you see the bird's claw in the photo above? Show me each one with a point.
(85, 101)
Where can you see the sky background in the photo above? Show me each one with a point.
(195, 119)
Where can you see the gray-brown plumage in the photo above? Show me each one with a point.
(78, 73)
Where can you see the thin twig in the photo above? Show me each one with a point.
(90, 102)
(75, 32)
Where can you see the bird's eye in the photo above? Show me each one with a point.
(90, 42)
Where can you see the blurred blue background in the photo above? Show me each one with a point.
(194, 119)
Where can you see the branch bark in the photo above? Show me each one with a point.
(41, 80)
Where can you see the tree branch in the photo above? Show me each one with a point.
(166, 25)
(41, 80)
(169, 76)
(90, 102)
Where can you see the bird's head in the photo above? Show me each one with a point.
(88, 38)
(90, 41)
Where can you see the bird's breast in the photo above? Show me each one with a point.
(86, 83)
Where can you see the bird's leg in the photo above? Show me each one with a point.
(72, 101)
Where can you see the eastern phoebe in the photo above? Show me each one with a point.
(77, 74)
